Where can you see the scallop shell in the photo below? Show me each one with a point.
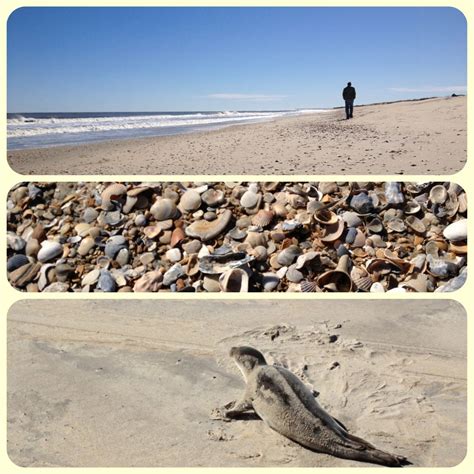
(279, 209)
(361, 279)
(262, 218)
(113, 192)
(438, 194)
(164, 209)
(308, 286)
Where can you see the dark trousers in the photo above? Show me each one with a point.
(349, 107)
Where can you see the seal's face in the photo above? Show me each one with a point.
(247, 358)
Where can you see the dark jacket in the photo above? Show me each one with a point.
(349, 93)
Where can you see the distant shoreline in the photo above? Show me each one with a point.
(417, 136)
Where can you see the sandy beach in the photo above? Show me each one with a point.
(411, 137)
(133, 383)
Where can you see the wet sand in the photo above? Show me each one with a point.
(411, 137)
(133, 383)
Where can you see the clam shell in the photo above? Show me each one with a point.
(415, 224)
(352, 219)
(279, 209)
(213, 197)
(456, 231)
(49, 250)
(164, 209)
(375, 225)
(190, 201)
(234, 280)
(91, 278)
(256, 239)
(207, 230)
(249, 199)
(419, 283)
(396, 225)
(335, 281)
(152, 231)
(411, 207)
(112, 193)
(150, 281)
(438, 194)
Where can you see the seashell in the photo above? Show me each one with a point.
(287, 256)
(56, 287)
(140, 220)
(82, 229)
(382, 266)
(328, 187)
(325, 217)
(333, 232)
(352, 219)
(396, 225)
(455, 283)
(443, 267)
(411, 207)
(112, 193)
(234, 280)
(44, 279)
(249, 199)
(173, 255)
(49, 250)
(107, 282)
(377, 287)
(359, 240)
(211, 283)
(164, 209)
(171, 275)
(152, 231)
(122, 257)
(362, 203)
(456, 231)
(279, 209)
(114, 244)
(256, 239)
(415, 224)
(177, 236)
(86, 246)
(192, 247)
(376, 241)
(291, 225)
(213, 197)
(217, 264)
(207, 230)
(150, 281)
(296, 201)
(91, 278)
(270, 281)
(462, 203)
(305, 259)
(438, 194)
(38, 233)
(337, 280)
(129, 204)
(237, 234)
(137, 190)
(260, 253)
(458, 248)
(293, 274)
(190, 201)
(361, 279)
(90, 215)
(375, 225)
(16, 261)
(419, 283)
(393, 193)
(262, 218)
(308, 286)
(63, 271)
(15, 242)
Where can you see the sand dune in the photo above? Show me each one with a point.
(412, 137)
(134, 383)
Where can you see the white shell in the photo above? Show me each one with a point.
(49, 250)
(456, 231)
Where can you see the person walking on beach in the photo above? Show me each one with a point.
(349, 94)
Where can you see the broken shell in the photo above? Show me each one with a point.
(325, 217)
(412, 207)
(333, 232)
(213, 197)
(418, 284)
(375, 225)
(287, 256)
(396, 225)
(114, 244)
(217, 264)
(112, 193)
(234, 280)
(393, 193)
(415, 224)
(338, 279)
(207, 230)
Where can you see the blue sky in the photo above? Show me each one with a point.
(163, 59)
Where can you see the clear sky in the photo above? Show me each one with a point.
(163, 59)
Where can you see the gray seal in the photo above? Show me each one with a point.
(288, 406)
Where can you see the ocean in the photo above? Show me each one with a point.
(38, 130)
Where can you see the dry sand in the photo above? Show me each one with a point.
(412, 137)
(133, 383)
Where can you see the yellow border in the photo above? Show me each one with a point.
(9, 178)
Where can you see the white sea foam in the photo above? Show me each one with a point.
(21, 126)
